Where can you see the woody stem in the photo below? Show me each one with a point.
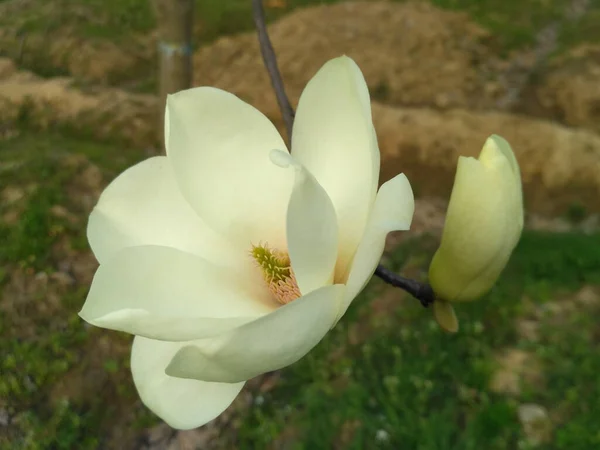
(421, 291)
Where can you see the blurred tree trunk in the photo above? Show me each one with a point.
(175, 19)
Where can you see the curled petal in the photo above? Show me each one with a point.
(334, 139)
(312, 231)
(219, 147)
(269, 343)
(393, 211)
(143, 206)
(183, 404)
(164, 293)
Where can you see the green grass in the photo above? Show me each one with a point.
(429, 390)
(401, 384)
(404, 384)
(40, 161)
(30, 368)
(28, 242)
(514, 24)
(573, 385)
(43, 339)
(584, 30)
(391, 380)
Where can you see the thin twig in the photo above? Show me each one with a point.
(421, 291)
(270, 61)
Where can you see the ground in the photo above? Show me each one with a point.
(522, 371)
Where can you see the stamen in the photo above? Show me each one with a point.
(277, 272)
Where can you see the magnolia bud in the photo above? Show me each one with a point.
(483, 224)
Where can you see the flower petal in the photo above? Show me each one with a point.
(269, 343)
(312, 232)
(164, 293)
(334, 139)
(504, 147)
(219, 147)
(393, 211)
(143, 206)
(183, 404)
(445, 315)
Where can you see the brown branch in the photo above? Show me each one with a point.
(421, 291)
(270, 61)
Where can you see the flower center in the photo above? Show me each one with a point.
(277, 272)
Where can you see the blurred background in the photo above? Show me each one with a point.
(79, 104)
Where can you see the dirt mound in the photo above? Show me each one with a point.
(101, 112)
(40, 36)
(410, 53)
(570, 90)
(560, 166)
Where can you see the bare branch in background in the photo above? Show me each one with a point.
(421, 291)
(175, 20)
(270, 61)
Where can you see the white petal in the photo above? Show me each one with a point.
(393, 211)
(167, 126)
(164, 293)
(334, 139)
(183, 404)
(219, 147)
(143, 206)
(312, 231)
(269, 343)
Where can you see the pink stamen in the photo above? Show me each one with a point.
(285, 291)
(277, 272)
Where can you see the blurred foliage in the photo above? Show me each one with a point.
(44, 341)
(378, 380)
(407, 384)
(514, 23)
(384, 380)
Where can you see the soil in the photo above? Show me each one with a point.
(569, 90)
(54, 47)
(436, 79)
(101, 112)
(424, 56)
(560, 165)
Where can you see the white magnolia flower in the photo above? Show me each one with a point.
(229, 257)
(483, 225)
